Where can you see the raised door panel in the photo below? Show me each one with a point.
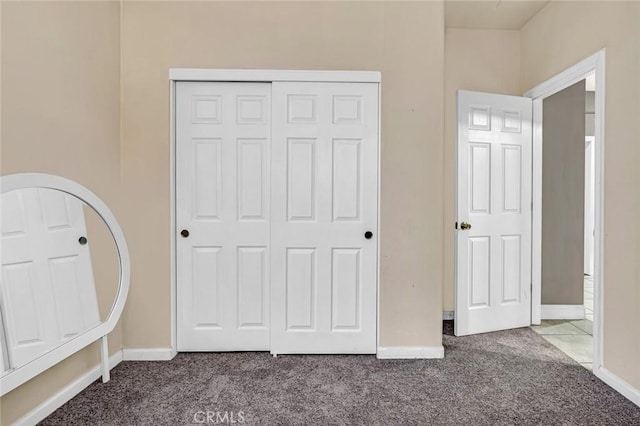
(66, 290)
(347, 179)
(300, 296)
(27, 335)
(252, 287)
(206, 295)
(251, 169)
(479, 271)
(13, 214)
(207, 188)
(511, 269)
(302, 108)
(511, 178)
(480, 178)
(346, 280)
(301, 179)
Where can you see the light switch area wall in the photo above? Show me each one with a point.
(563, 128)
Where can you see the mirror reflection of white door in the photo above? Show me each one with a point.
(47, 291)
(493, 242)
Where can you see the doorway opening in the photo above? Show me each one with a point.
(580, 312)
(567, 220)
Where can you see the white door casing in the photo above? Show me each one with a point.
(48, 293)
(493, 257)
(324, 199)
(222, 200)
(589, 205)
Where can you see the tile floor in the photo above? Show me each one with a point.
(573, 337)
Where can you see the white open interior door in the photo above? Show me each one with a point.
(324, 201)
(493, 243)
(222, 216)
(47, 293)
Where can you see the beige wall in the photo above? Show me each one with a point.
(405, 41)
(563, 178)
(61, 115)
(559, 36)
(484, 61)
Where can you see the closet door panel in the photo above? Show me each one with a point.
(324, 200)
(222, 199)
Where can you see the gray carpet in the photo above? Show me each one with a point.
(506, 378)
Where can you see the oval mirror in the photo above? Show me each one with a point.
(63, 276)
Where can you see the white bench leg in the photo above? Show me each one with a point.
(104, 353)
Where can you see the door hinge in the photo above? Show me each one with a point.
(456, 225)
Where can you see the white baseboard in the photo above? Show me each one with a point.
(628, 391)
(447, 315)
(65, 394)
(550, 312)
(155, 354)
(410, 352)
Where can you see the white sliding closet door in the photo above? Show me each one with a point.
(324, 200)
(222, 215)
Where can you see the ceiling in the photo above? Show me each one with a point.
(491, 14)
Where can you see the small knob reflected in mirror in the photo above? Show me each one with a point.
(184, 233)
(82, 240)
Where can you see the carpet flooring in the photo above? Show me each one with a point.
(512, 377)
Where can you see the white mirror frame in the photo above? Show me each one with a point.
(20, 375)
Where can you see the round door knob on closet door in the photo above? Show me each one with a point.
(82, 240)
(465, 226)
(368, 235)
(184, 233)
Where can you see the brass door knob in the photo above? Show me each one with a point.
(464, 226)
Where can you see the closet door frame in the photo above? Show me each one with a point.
(265, 76)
